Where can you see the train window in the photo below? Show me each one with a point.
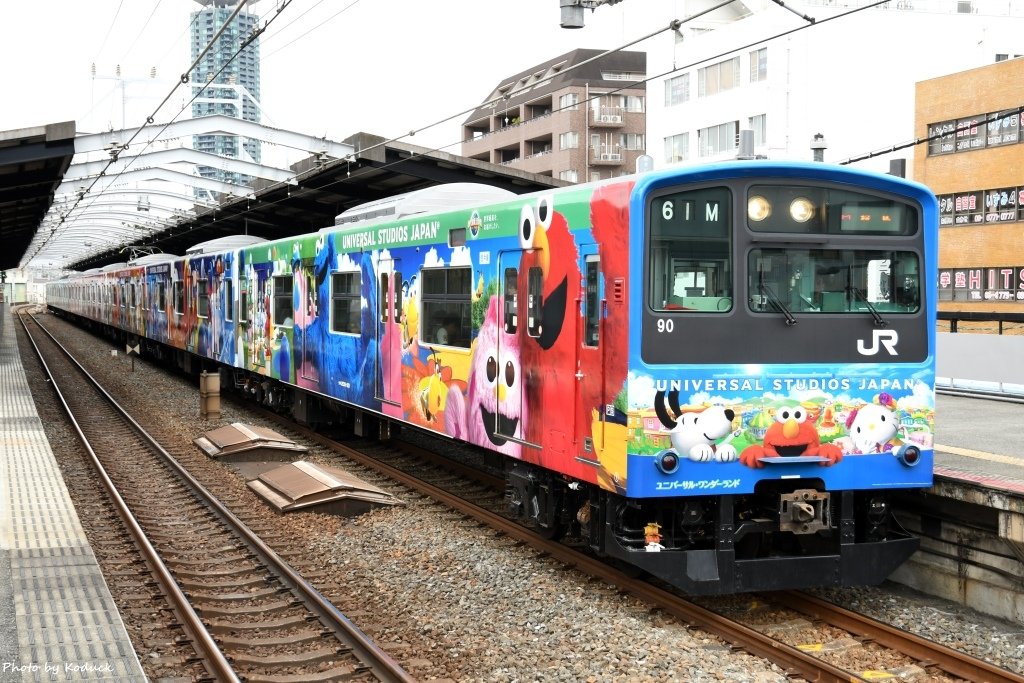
(243, 301)
(145, 296)
(821, 210)
(457, 237)
(229, 298)
(398, 296)
(161, 296)
(445, 296)
(283, 300)
(382, 298)
(204, 298)
(591, 302)
(857, 281)
(345, 307)
(534, 301)
(511, 300)
(178, 294)
(690, 251)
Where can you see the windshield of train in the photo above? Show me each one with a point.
(830, 271)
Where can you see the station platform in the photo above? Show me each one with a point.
(977, 442)
(58, 621)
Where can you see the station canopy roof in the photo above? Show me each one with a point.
(72, 202)
(32, 163)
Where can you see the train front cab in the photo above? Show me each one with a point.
(782, 376)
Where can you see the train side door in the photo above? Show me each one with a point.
(387, 334)
(309, 307)
(513, 290)
(590, 363)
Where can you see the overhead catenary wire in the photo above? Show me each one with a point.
(184, 79)
(672, 26)
(997, 116)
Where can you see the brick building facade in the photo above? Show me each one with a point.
(976, 168)
(577, 117)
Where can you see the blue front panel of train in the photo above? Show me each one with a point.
(713, 429)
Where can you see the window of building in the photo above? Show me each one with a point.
(569, 101)
(283, 300)
(677, 90)
(632, 141)
(717, 139)
(445, 296)
(758, 125)
(570, 140)
(569, 175)
(635, 104)
(677, 148)
(719, 77)
(595, 176)
(942, 138)
(759, 65)
(345, 306)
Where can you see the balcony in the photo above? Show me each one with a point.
(607, 117)
(606, 155)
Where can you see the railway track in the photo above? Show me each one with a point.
(246, 613)
(767, 626)
(808, 637)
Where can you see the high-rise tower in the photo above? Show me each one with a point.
(234, 89)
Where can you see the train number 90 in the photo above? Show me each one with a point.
(665, 325)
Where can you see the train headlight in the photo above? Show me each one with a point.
(667, 461)
(908, 455)
(758, 208)
(801, 209)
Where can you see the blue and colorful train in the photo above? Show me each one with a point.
(719, 374)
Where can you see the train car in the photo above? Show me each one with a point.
(718, 374)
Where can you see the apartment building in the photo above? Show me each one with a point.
(578, 117)
(849, 75)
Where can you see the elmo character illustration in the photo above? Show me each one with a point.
(548, 353)
(792, 436)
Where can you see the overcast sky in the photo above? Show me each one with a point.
(329, 67)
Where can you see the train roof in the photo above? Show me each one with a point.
(224, 244)
(426, 200)
(152, 258)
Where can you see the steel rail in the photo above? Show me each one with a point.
(381, 664)
(922, 649)
(203, 642)
(786, 656)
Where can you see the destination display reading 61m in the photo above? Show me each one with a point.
(702, 213)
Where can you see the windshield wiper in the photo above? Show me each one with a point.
(775, 301)
(879, 320)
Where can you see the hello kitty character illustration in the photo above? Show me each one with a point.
(872, 427)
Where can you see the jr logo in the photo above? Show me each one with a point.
(886, 338)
